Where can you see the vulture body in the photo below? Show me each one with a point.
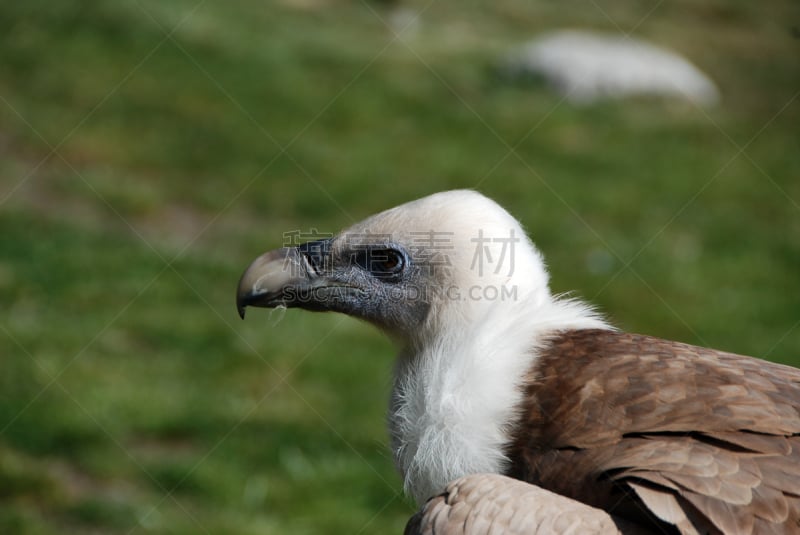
(496, 378)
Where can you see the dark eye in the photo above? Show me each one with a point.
(385, 263)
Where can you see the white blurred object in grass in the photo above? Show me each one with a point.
(585, 67)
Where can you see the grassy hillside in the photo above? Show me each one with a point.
(150, 149)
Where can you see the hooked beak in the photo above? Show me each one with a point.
(268, 280)
(296, 277)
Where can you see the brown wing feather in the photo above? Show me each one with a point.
(635, 425)
(489, 504)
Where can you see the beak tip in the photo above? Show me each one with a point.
(241, 305)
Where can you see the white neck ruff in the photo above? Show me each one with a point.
(456, 396)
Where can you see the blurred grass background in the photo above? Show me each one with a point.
(150, 149)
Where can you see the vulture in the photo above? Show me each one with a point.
(514, 410)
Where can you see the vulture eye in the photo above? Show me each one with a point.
(385, 264)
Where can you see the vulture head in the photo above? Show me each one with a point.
(443, 259)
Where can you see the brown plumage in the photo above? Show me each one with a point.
(654, 431)
(495, 504)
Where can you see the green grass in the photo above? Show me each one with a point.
(133, 400)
